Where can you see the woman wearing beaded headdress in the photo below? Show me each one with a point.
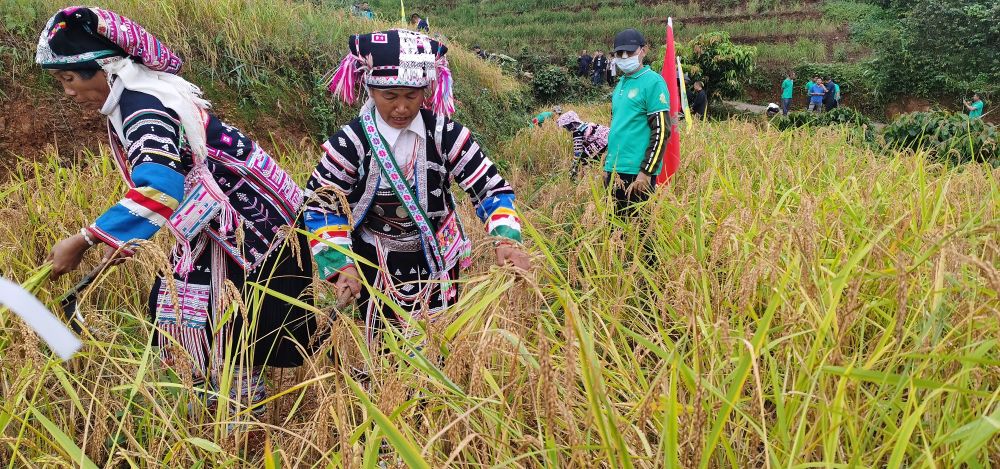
(221, 195)
(395, 164)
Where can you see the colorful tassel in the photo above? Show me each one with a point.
(443, 101)
(344, 84)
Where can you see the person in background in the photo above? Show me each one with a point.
(609, 71)
(366, 11)
(583, 64)
(544, 116)
(975, 108)
(772, 110)
(480, 52)
(420, 23)
(590, 140)
(786, 92)
(640, 125)
(816, 93)
(382, 190)
(830, 96)
(612, 70)
(699, 105)
(600, 66)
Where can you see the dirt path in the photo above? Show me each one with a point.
(746, 107)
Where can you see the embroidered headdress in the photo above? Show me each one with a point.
(86, 38)
(396, 58)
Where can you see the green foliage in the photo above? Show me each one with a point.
(860, 125)
(724, 67)
(554, 84)
(927, 47)
(854, 80)
(948, 137)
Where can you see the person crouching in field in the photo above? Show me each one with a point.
(590, 140)
(394, 165)
(225, 200)
(541, 117)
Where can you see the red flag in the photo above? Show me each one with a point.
(672, 158)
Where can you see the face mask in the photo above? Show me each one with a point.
(630, 64)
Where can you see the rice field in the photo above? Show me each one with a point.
(793, 300)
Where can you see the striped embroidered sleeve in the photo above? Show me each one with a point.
(478, 177)
(151, 134)
(325, 216)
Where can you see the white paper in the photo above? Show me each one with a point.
(58, 337)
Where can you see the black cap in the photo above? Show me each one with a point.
(629, 40)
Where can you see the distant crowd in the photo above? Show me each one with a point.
(824, 95)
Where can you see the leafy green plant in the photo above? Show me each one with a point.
(550, 84)
(946, 136)
(860, 125)
(724, 67)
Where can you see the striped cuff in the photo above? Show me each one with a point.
(330, 261)
(124, 246)
(504, 223)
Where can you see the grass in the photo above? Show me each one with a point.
(263, 61)
(806, 302)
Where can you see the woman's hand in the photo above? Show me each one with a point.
(512, 254)
(348, 286)
(67, 254)
(113, 256)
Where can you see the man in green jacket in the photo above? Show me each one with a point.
(640, 124)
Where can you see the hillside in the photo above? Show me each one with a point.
(785, 32)
(267, 78)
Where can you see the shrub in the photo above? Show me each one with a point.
(838, 116)
(861, 127)
(550, 84)
(947, 136)
(724, 67)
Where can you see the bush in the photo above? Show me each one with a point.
(724, 67)
(947, 136)
(550, 84)
(861, 126)
(838, 116)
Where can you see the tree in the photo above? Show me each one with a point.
(722, 66)
(938, 46)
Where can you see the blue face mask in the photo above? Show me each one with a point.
(630, 64)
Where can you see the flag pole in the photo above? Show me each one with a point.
(684, 95)
(671, 159)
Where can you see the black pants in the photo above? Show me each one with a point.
(625, 201)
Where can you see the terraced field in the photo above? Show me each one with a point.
(786, 33)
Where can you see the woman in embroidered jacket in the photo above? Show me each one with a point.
(590, 140)
(395, 164)
(216, 190)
